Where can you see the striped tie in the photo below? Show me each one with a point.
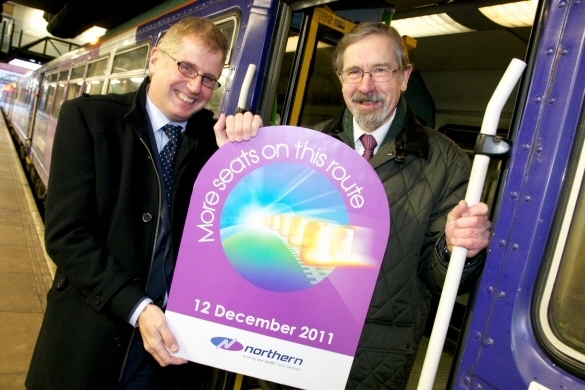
(369, 143)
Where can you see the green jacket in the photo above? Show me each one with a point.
(425, 175)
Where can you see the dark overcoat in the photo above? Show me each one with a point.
(425, 175)
(102, 216)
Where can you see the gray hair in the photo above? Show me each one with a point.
(365, 29)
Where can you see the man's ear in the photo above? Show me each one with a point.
(405, 75)
(154, 57)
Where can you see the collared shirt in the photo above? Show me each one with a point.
(379, 134)
(158, 120)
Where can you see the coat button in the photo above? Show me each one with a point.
(97, 300)
(146, 217)
(118, 341)
(61, 283)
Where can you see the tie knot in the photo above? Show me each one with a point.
(369, 143)
(173, 132)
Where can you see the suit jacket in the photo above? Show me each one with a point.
(102, 216)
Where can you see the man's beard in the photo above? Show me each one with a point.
(370, 119)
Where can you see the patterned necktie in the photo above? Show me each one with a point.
(369, 143)
(167, 155)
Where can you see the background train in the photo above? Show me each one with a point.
(523, 326)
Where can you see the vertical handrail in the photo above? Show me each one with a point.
(459, 254)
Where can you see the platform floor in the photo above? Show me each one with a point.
(26, 273)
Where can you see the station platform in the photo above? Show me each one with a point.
(26, 272)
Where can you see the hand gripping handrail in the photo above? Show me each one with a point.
(459, 254)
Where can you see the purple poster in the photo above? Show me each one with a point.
(281, 250)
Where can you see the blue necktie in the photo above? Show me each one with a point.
(369, 143)
(167, 156)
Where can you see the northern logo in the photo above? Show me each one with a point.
(233, 345)
(227, 343)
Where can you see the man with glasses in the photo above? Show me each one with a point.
(122, 172)
(425, 176)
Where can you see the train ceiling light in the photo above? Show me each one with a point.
(429, 25)
(510, 15)
(520, 14)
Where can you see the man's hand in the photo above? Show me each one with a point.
(239, 127)
(157, 336)
(468, 227)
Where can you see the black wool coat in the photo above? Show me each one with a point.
(102, 215)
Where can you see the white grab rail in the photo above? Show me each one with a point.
(459, 254)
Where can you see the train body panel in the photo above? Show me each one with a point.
(502, 350)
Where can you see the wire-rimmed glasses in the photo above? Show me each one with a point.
(189, 71)
(378, 74)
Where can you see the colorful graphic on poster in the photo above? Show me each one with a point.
(280, 253)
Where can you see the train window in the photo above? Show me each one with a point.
(63, 75)
(60, 93)
(97, 68)
(41, 118)
(228, 26)
(323, 95)
(94, 78)
(308, 91)
(76, 82)
(128, 70)
(563, 297)
(131, 60)
(50, 96)
(94, 87)
(77, 72)
(74, 90)
(125, 84)
(43, 97)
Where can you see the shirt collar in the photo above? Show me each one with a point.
(157, 118)
(379, 133)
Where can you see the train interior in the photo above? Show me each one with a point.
(453, 79)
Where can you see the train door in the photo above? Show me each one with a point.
(303, 90)
(20, 113)
(41, 123)
(527, 328)
(307, 91)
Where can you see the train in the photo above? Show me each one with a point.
(523, 325)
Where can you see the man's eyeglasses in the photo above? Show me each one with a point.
(379, 74)
(190, 72)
